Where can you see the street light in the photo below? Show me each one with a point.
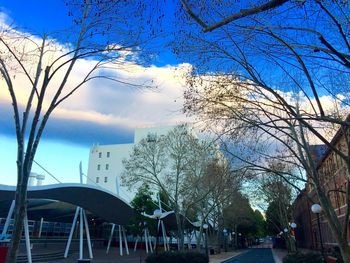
(294, 226)
(240, 240)
(205, 227)
(234, 239)
(225, 238)
(317, 209)
(157, 214)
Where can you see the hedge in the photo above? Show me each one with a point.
(303, 258)
(177, 257)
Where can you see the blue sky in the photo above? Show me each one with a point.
(107, 116)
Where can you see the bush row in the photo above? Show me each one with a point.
(177, 257)
(303, 258)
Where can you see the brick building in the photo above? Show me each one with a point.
(333, 174)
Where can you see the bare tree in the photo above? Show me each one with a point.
(290, 56)
(102, 35)
(176, 164)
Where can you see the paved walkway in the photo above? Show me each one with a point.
(224, 256)
(254, 255)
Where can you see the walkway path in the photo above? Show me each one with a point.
(254, 255)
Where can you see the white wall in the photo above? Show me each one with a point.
(98, 160)
(105, 170)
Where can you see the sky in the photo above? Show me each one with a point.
(100, 112)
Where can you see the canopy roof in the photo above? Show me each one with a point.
(57, 202)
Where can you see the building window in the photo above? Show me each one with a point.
(151, 137)
(105, 179)
(108, 154)
(97, 180)
(100, 155)
(98, 167)
(107, 166)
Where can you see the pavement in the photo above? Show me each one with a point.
(259, 254)
(224, 256)
(254, 255)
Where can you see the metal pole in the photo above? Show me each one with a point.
(8, 220)
(125, 242)
(146, 244)
(120, 241)
(136, 241)
(81, 248)
(157, 238)
(149, 241)
(110, 239)
(320, 233)
(71, 232)
(206, 242)
(26, 234)
(87, 234)
(40, 227)
(164, 236)
(81, 172)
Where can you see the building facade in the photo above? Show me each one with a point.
(106, 161)
(334, 178)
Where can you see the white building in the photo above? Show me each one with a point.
(105, 161)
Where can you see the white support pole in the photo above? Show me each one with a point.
(120, 240)
(81, 247)
(189, 238)
(71, 232)
(110, 238)
(8, 219)
(26, 235)
(88, 235)
(164, 235)
(125, 241)
(40, 227)
(136, 241)
(81, 172)
(150, 241)
(146, 242)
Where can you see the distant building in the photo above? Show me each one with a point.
(105, 161)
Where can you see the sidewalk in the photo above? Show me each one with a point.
(278, 254)
(218, 258)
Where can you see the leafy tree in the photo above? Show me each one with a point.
(142, 203)
(260, 224)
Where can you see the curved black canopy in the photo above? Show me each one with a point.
(58, 202)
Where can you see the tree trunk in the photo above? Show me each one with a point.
(19, 212)
(180, 233)
(345, 252)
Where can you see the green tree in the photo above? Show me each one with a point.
(142, 203)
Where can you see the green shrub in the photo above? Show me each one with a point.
(177, 257)
(303, 258)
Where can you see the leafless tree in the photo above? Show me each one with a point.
(288, 56)
(38, 73)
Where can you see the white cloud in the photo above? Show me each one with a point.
(104, 102)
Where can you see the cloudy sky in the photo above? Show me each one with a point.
(101, 112)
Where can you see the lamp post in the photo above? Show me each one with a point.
(317, 209)
(157, 214)
(240, 240)
(234, 240)
(225, 238)
(294, 226)
(205, 227)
